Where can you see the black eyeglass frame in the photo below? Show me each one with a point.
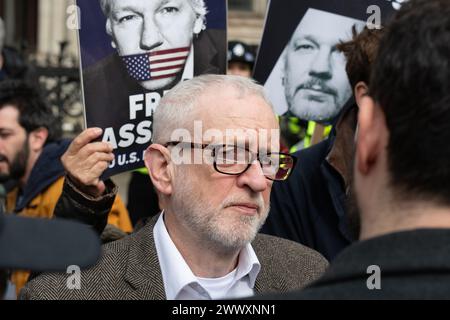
(194, 145)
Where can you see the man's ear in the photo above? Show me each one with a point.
(361, 91)
(110, 33)
(157, 161)
(372, 135)
(37, 139)
(198, 25)
(108, 27)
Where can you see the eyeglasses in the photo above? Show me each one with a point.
(235, 160)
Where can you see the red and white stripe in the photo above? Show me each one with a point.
(167, 63)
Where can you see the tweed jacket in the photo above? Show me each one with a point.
(129, 270)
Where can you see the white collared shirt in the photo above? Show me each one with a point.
(181, 284)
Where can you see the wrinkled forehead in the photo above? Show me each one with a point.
(232, 117)
(325, 26)
(111, 6)
(252, 139)
(9, 117)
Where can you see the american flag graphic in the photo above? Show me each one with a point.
(157, 64)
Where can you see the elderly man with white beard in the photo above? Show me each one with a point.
(214, 190)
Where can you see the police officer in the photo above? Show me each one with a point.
(241, 59)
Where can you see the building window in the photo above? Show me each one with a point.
(20, 19)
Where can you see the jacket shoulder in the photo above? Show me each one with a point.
(104, 281)
(296, 263)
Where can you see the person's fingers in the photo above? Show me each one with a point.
(80, 167)
(72, 162)
(94, 147)
(101, 187)
(83, 139)
(97, 171)
(89, 175)
(87, 171)
(98, 157)
(85, 161)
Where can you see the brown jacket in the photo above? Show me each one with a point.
(129, 270)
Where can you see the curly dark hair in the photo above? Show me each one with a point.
(34, 112)
(411, 83)
(361, 52)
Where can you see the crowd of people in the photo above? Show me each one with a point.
(251, 219)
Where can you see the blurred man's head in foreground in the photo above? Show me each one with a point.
(402, 153)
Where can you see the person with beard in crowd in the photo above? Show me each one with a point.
(30, 151)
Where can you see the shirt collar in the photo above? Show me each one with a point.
(175, 271)
(248, 265)
(177, 274)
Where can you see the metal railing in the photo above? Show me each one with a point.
(59, 78)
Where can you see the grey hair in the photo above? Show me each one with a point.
(175, 108)
(197, 5)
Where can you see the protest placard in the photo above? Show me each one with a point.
(132, 53)
(298, 63)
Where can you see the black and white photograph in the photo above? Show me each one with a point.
(134, 51)
(302, 71)
(309, 80)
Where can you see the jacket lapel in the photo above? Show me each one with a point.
(145, 277)
(266, 283)
(267, 280)
(143, 270)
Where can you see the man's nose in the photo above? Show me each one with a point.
(151, 38)
(253, 178)
(321, 65)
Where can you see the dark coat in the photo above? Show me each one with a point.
(413, 264)
(310, 207)
(129, 270)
